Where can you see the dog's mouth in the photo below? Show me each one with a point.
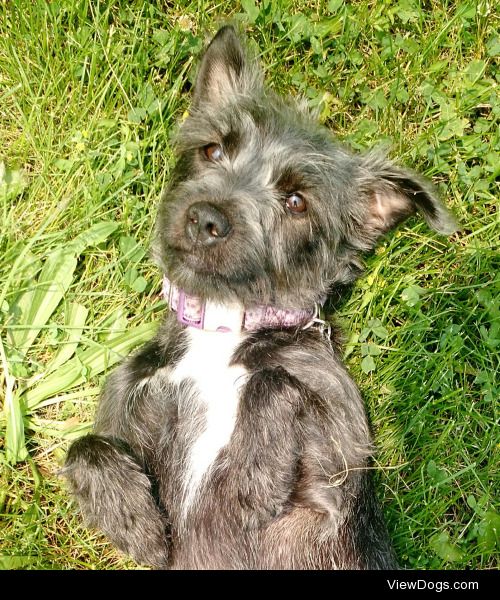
(192, 260)
(196, 271)
(210, 275)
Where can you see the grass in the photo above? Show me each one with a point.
(90, 93)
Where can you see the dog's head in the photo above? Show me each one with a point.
(263, 205)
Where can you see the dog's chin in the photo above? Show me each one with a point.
(231, 282)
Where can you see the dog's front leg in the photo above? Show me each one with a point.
(114, 495)
(265, 446)
(107, 471)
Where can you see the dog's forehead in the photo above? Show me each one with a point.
(271, 141)
(268, 131)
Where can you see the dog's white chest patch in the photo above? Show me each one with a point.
(213, 403)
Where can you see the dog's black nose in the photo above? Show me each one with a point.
(206, 224)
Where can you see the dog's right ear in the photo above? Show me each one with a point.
(392, 194)
(224, 70)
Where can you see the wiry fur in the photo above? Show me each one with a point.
(250, 451)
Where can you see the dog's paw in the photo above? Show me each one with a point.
(114, 495)
(256, 517)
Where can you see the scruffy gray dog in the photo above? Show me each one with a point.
(236, 438)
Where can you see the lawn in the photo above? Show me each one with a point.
(90, 95)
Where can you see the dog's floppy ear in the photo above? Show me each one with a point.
(224, 70)
(392, 194)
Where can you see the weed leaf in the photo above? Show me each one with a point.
(489, 532)
(442, 546)
(251, 9)
(37, 305)
(75, 318)
(368, 364)
(12, 182)
(95, 235)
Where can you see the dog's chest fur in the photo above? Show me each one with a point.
(208, 389)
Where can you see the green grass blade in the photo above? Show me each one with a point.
(15, 446)
(66, 430)
(115, 324)
(87, 364)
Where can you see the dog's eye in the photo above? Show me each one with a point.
(213, 152)
(295, 203)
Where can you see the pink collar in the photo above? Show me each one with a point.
(211, 316)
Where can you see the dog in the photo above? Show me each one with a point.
(236, 439)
